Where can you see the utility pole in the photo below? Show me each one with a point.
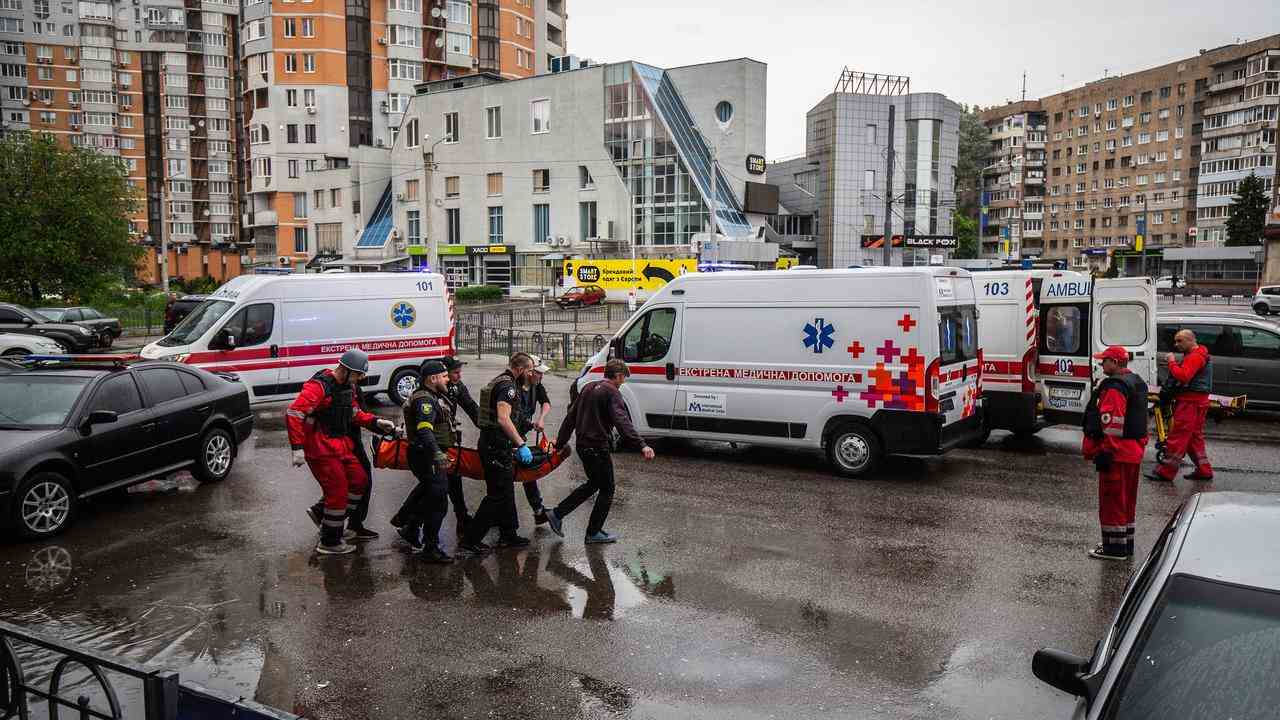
(888, 195)
(1142, 236)
(164, 237)
(428, 173)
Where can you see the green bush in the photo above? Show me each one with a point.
(478, 293)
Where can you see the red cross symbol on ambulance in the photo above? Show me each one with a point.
(906, 323)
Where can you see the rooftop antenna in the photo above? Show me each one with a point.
(1024, 86)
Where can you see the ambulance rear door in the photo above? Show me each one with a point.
(1124, 314)
(1063, 339)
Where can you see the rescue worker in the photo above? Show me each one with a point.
(1115, 436)
(598, 410)
(499, 441)
(1191, 381)
(319, 423)
(430, 428)
(356, 527)
(459, 398)
(536, 405)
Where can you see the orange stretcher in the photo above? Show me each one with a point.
(392, 453)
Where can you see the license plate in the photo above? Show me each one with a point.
(1065, 393)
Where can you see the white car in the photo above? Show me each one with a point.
(1170, 282)
(1267, 300)
(17, 345)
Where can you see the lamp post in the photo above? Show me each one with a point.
(428, 172)
(714, 200)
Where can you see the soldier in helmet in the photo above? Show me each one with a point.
(319, 422)
(429, 424)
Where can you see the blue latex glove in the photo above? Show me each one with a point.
(525, 455)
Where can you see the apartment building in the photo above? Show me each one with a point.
(152, 83)
(327, 84)
(596, 162)
(1011, 223)
(1131, 155)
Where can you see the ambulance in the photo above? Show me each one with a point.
(856, 363)
(276, 331)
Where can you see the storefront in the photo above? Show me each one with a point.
(464, 265)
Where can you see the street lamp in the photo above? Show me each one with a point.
(428, 172)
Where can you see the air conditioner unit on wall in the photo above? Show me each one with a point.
(311, 109)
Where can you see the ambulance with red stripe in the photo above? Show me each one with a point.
(276, 331)
(858, 363)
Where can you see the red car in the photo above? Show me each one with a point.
(581, 296)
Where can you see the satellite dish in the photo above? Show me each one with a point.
(191, 127)
(435, 12)
(439, 42)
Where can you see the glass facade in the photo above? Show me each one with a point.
(922, 176)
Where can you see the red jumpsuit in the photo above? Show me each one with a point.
(1186, 430)
(1118, 484)
(332, 459)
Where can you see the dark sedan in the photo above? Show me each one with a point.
(107, 328)
(19, 319)
(72, 430)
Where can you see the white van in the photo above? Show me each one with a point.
(276, 331)
(858, 363)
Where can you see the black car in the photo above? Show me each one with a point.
(72, 430)
(18, 319)
(107, 328)
(180, 309)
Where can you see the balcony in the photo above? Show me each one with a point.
(1033, 215)
(1226, 85)
(1029, 234)
(262, 218)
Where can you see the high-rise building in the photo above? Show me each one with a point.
(153, 84)
(1012, 221)
(326, 87)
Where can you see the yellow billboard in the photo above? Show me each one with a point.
(786, 263)
(627, 274)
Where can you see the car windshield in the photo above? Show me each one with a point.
(32, 313)
(28, 401)
(54, 314)
(1208, 651)
(205, 316)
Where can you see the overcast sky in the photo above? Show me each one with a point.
(974, 52)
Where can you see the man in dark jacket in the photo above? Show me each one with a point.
(598, 410)
(430, 429)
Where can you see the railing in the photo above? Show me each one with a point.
(538, 317)
(560, 349)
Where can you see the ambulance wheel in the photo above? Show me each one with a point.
(403, 382)
(853, 450)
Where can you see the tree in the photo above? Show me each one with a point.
(974, 155)
(966, 230)
(64, 219)
(1248, 213)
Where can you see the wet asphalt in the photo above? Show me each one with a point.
(749, 583)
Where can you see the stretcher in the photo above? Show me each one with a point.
(1220, 406)
(392, 453)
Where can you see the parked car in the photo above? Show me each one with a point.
(75, 429)
(18, 345)
(22, 320)
(581, 296)
(1267, 300)
(1245, 352)
(1198, 629)
(107, 328)
(1170, 282)
(180, 309)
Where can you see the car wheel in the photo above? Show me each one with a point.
(43, 506)
(1262, 309)
(853, 450)
(17, 352)
(403, 383)
(106, 340)
(217, 454)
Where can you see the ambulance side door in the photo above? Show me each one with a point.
(651, 348)
(1063, 342)
(1124, 313)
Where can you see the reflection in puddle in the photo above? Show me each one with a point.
(48, 569)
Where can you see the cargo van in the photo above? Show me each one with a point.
(857, 363)
(276, 331)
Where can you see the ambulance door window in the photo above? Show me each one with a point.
(1124, 324)
(253, 325)
(1064, 330)
(649, 339)
(958, 334)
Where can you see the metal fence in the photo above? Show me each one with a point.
(137, 320)
(559, 349)
(1192, 297)
(539, 316)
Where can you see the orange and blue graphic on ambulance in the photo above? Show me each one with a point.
(896, 390)
(970, 401)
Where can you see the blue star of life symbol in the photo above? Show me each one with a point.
(817, 335)
(402, 314)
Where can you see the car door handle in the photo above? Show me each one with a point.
(1239, 370)
(203, 408)
(671, 371)
(275, 351)
(148, 427)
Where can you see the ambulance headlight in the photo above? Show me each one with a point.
(176, 357)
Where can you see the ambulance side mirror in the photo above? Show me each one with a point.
(224, 340)
(615, 348)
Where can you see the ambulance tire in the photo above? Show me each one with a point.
(853, 449)
(401, 381)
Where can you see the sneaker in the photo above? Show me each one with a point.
(540, 516)
(362, 533)
(1198, 477)
(314, 515)
(397, 521)
(1099, 553)
(556, 523)
(435, 556)
(601, 538)
(513, 541)
(339, 549)
(411, 535)
(474, 549)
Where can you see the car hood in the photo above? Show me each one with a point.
(55, 326)
(13, 440)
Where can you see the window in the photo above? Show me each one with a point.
(587, 226)
(459, 43)
(494, 181)
(308, 27)
(451, 189)
(649, 338)
(868, 179)
(958, 334)
(452, 130)
(404, 35)
(411, 136)
(453, 226)
(308, 62)
(290, 27)
(540, 116)
(493, 124)
(291, 133)
(163, 384)
(410, 189)
(585, 181)
(119, 394)
(256, 30)
(309, 98)
(1064, 328)
(300, 239)
(405, 70)
(253, 325)
(1124, 324)
(335, 197)
(413, 227)
(299, 205)
(1257, 344)
(291, 63)
(460, 12)
(405, 5)
(541, 181)
(541, 223)
(495, 225)
(310, 134)
(291, 98)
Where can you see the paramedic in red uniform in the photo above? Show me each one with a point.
(320, 421)
(1191, 381)
(1115, 436)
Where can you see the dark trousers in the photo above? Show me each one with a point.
(428, 502)
(456, 497)
(598, 464)
(498, 509)
(533, 495)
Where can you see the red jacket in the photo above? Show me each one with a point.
(1112, 405)
(1184, 371)
(303, 433)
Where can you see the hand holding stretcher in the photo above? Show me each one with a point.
(392, 452)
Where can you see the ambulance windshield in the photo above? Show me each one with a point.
(197, 323)
(957, 334)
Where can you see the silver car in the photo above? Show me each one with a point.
(1197, 634)
(1245, 352)
(1267, 300)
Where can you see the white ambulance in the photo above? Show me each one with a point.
(276, 331)
(859, 363)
